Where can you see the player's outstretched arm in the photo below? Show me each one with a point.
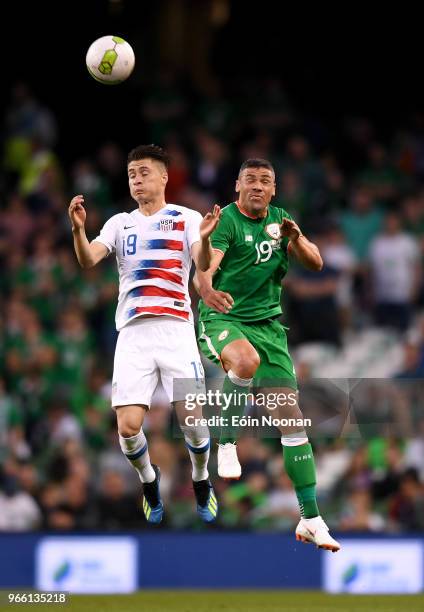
(202, 281)
(202, 252)
(88, 255)
(305, 251)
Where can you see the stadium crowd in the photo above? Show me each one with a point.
(356, 191)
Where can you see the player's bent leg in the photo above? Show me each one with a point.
(241, 357)
(240, 360)
(300, 467)
(134, 445)
(226, 344)
(181, 376)
(197, 441)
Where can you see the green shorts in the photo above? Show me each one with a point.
(268, 338)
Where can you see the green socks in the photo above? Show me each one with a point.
(237, 389)
(300, 467)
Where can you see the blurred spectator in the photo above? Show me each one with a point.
(334, 193)
(74, 346)
(18, 510)
(272, 108)
(41, 178)
(414, 450)
(339, 256)
(116, 508)
(292, 196)
(381, 176)
(211, 173)
(28, 119)
(87, 181)
(260, 145)
(313, 299)
(299, 159)
(164, 106)
(12, 433)
(413, 365)
(178, 172)
(281, 507)
(17, 222)
(29, 126)
(395, 274)
(407, 507)
(216, 113)
(57, 426)
(78, 502)
(245, 501)
(112, 167)
(358, 514)
(386, 473)
(359, 474)
(362, 222)
(412, 209)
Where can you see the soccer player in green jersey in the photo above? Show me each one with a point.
(240, 330)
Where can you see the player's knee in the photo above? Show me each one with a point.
(197, 436)
(129, 425)
(246, 364)
(127, 430)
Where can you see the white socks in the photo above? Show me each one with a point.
(295, 439)
(240, 382)
(198, 449)
(135, 450)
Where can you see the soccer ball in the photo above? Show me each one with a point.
(110, 60)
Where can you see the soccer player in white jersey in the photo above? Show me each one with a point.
(154, 247)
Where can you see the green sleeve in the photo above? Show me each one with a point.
(286, 215)
(222, 236)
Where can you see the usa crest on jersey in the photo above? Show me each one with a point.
(166, 225)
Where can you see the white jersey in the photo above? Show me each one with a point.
(393, 262)
(153, 254)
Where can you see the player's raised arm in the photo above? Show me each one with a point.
(88, 254)
(202, 251)
(305, 251)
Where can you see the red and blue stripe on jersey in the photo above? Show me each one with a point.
(168, 270)
(159, 243)
(158, 310)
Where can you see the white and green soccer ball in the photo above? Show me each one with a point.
(110, 60)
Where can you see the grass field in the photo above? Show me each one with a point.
(239, 601)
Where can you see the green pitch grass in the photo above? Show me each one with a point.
(239, 601)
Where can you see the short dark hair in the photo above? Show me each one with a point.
(150, 151)
(256, 163)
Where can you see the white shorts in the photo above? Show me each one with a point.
(149, 347)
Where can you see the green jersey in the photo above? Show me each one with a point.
(255, 262)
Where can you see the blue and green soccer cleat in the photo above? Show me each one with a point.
(207, 505)
(152, 503)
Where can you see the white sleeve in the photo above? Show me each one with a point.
(108, 234)
(193, 228)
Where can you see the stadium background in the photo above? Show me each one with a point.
(341, 115)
